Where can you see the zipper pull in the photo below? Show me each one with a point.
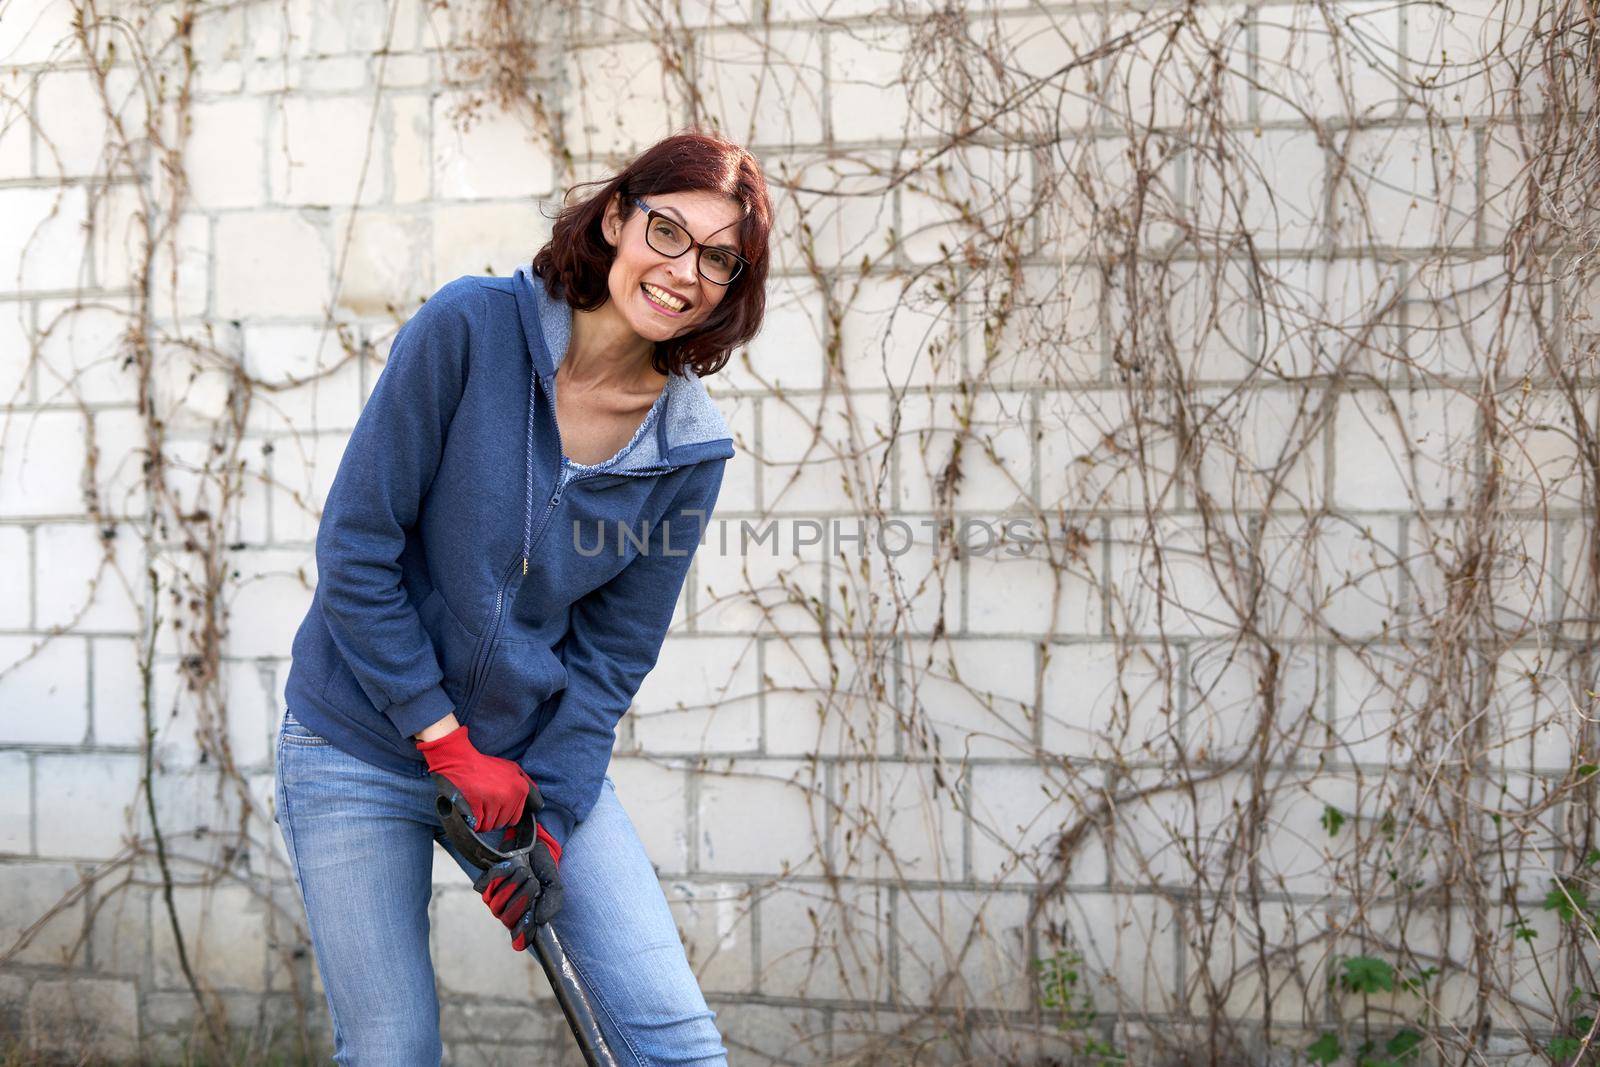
(524, 566)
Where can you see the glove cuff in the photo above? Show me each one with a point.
(453, 741)
(540, 834)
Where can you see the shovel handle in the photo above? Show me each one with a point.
(564, 982)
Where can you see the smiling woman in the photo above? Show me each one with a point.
(460, 631)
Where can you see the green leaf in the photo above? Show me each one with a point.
(1405, 1045)
(1568, 904)
(1367, 974)
(1324, 1050)
(1587, 769)
(1561, 1048)
(1332, 819)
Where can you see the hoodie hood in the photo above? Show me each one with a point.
(688, 429)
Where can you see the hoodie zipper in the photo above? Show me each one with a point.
(530, 537)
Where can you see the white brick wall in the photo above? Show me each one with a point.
(852, 774)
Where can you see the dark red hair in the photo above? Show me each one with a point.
(575, 263)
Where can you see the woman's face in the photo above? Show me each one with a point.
(711, 219)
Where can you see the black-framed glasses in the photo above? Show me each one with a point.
(716, 265)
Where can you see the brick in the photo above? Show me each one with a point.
(1300, 856)
(1126, 942)
(897, 333)
(46, 687)
(181, 269)
(82, 352)
(278, 263)
(656, 800)
(1225, 703)
(981, 940)
(1085, 441)
(1416, 187)
(620, 99)
(16, 803)
(314, 379)
(1303, 71)
(1164, 582)
(316, 149)
(309, 463)
(410, 122)
(715, 924)
(121, 442)
(16, 578)
(196, 477)
(766, 90)
(385, 271)
(761, 584)
(1264, 439)
(337, 74)
(700, 697)
(786, 793)
(764, 1035)
(273, 592)
(1019, 817)
(227, 151)
(485, 238)
(822, 453)
(41, 237)
(495, 156)
(899, 820)
(743, 471)
(868, 99)
(32, 892)
(471, 952)
(1458, 323)
(1449, 43)
(993, 471)
(87, 582)
(973, 699)
(1017, 594)
(791, 348)
(824, 942)
(1050, 335)
(817, 701)
(251, 714)
(91, 1018)
(852, 220)
(1284, 204)
(16, 349)
(119, 942)
(965, 197)
(317, 30)
(223, 934)
(34, 39)
(83, 803)
(1104, 699)
(1375, 689)
(73, 137)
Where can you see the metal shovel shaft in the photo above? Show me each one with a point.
(564, 981)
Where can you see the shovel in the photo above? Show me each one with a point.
(453, 811)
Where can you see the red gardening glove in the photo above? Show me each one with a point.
(495, 789)
(510, 889)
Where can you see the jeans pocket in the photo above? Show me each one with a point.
(296, 732)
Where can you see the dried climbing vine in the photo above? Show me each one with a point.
(1276, 320)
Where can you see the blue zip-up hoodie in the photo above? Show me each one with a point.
(466, 565)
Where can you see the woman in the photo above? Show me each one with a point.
(498, 562)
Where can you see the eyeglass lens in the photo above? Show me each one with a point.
(670, 239)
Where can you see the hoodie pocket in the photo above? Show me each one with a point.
(518, 678)
(455, 645)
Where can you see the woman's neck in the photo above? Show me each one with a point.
(604, 352)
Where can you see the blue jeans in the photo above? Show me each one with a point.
(360, 839)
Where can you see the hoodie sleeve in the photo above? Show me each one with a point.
(616, 634)
(385, 472)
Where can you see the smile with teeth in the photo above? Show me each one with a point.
(663, 298)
